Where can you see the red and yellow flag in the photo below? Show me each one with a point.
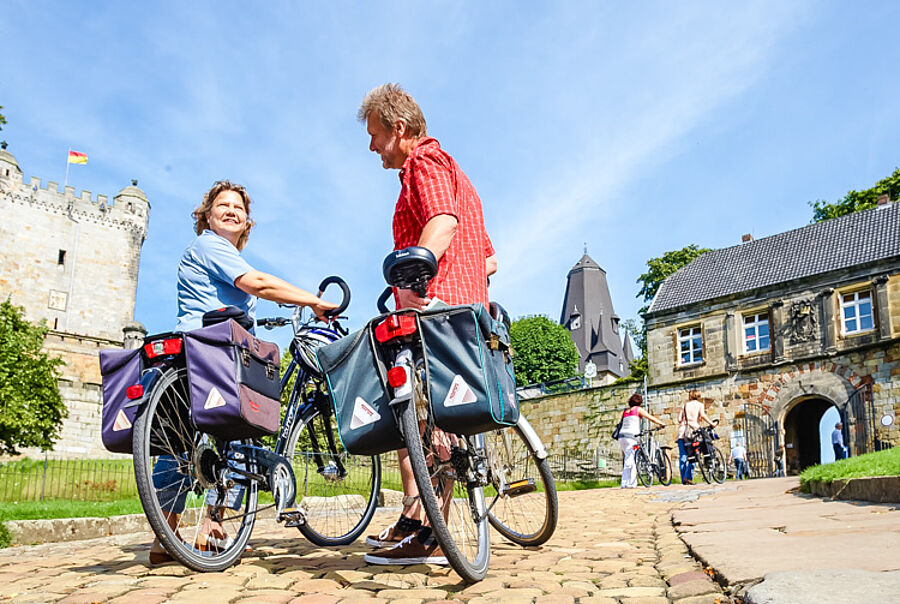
(77, 158)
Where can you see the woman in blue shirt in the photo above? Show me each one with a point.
(212, 274)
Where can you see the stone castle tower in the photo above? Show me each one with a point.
(589, 316)
(72, 261)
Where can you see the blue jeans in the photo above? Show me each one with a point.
(740, 469)
(172, 487)
(840, 451)
(684, 466)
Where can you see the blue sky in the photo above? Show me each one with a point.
(633, 128)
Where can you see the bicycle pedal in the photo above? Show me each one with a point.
(292, 517)
(519, 487)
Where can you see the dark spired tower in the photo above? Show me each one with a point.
(589, 316)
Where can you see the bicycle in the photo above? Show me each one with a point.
(657, 459)
(704, 453)
(452, 470)
(190, 482)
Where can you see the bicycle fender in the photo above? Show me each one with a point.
(148, 381)
(531, 436)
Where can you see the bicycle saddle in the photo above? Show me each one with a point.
(410, 268)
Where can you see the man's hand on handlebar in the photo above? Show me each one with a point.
(409, 299)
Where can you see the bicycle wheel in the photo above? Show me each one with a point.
(663, 466)
(644, 470)
(524, 508)
(456, 510)
(718, 469)
(338, 491)
(183, 481)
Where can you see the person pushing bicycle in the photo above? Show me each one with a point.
(437, 209)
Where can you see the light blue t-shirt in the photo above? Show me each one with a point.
(206, 277)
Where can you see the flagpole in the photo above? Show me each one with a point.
(66, 182)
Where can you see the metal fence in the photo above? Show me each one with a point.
(113, 479)
(67, 479)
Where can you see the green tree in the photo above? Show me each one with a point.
(658, 269)
(855, 201)
(544, 350)
(31, 409)
(2, 119)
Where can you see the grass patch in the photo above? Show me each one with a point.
(58, 508)
(880, 463)
(72, 479)
(583, 485)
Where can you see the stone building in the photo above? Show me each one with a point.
(588, 314)
(775, 332)
(72, 261)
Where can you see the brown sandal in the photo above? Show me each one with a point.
(157, 558)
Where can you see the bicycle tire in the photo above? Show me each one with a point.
(704, 460)
(718, 469)
(163, 428)
(663, 466)
(528, 519)
(463, 535)
(642, 465)
(338, 491)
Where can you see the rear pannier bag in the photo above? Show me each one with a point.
(119, 369)
(357, 381)
(468, 361)
(234, 381)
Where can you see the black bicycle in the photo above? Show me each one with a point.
(202, 494)
(499, 477)
(703, 451)
(656, 460)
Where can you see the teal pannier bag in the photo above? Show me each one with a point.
(468, 362)
(357, 382)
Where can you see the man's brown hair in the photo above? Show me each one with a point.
(201, 222)
(693, 395)
(391, 103)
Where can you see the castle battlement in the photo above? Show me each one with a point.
(129, 208)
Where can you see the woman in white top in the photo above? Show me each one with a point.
(688, 421)
(631, 427)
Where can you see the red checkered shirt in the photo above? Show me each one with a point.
(432, 183)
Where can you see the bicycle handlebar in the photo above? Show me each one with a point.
(345, 290)
(383, 298)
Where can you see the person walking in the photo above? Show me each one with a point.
(628, 433)
(739, 456)
(837, 442)
(688, 421)
(437, 209)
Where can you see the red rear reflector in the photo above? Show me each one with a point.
(162, 347)
(395, 326)
(133, 392)
(397, 376)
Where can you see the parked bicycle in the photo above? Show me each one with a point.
(652, 460)
(465, 480)
(307, 477)
(703, 451)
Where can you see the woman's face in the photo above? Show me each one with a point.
(228, 216)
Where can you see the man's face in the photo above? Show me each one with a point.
(385, 142)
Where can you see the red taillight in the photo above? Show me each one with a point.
(394, 327)
(163, 347)
(133, 392)
(397, 376)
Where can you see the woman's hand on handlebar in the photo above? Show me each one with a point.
(320, 308)
(407, 298)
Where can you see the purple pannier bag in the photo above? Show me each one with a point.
(119, 370)
(234, 380)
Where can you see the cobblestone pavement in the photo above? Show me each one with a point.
(611, 546)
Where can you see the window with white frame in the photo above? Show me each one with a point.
(756, 332)
(856, 312)
(690, 345)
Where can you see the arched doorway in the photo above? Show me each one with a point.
(802, 435)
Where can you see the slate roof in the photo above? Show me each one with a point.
(848, 241)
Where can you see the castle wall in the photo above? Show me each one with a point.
(72, 261)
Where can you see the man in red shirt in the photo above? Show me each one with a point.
(438, 209)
